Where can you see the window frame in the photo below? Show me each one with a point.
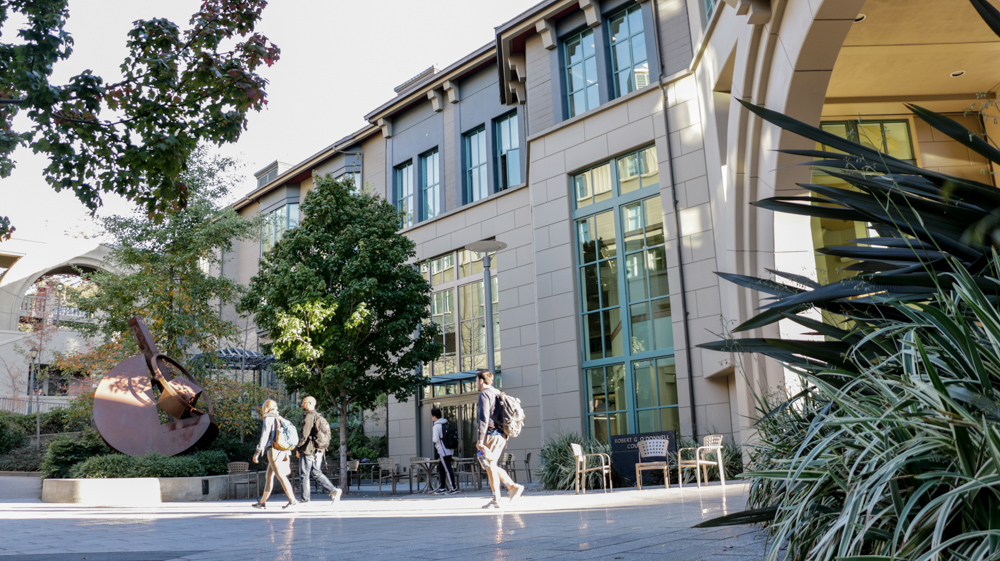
(271, 234)
(629, 357)
(431, 156)
(503, 154)
(402, 180)
(480, 169)
(613, 69)
(566, 72)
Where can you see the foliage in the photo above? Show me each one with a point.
(64, 453)
(12, 435)
(80, 411)
(236, 450)
(891, 451)
(344, 307)
(558, 465)
(732, 461)
(25, 458)
(132, 137)
(360, 447)
(53, 421)
(161, 270)
(199, 464)
(235, 405)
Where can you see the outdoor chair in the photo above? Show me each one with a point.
(601, 462)
(240, 474)
(712, 444)
(353, 466)
(387, 471)
(419, 472)
(527, 466)
(656, 448)
(468, 468)
(509, 464)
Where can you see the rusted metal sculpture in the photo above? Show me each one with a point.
(127, 409)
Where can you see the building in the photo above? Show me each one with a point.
(603, 143)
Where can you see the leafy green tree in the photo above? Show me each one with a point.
(344, 309)
(161, 271)
(132, 137)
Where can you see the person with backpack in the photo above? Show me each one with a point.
(493, 437)
(445, 439)
(274, 444)
(315, 440)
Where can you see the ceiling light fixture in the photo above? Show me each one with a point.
(958, 73)
(860, 18)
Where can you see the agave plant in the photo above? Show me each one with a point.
(893, 449)
(558, 466)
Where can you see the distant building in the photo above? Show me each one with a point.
(601, 141)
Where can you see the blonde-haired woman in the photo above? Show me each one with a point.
(277, 460)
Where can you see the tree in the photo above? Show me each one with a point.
(161, 271)
(345, 311)
(132, 137)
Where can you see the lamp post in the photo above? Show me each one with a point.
(486, 247)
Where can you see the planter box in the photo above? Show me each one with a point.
(135, 491)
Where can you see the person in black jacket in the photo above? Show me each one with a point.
(311, 456)
(492, 440)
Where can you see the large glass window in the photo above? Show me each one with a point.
(276, 223)
(458, 305)
(628, 344)
(404, 193)
(508, 162)
(629, 67)
(580, 62)
(430, 185)
(476, 180)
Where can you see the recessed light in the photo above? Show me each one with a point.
(958, 73)
(860, 18)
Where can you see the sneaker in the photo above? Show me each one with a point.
(453, 492)
(335, 495)
(259, 505)
(515, 492)
(491, 505)
(440, 491)
(291, 504)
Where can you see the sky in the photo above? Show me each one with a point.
(339, 61)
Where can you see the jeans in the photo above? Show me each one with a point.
(309, 467)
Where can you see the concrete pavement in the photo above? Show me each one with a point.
(628, 524)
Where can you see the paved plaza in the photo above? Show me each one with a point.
(628, 524)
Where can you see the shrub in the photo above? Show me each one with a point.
(213, 462)
(558, 467)
(51, 422)
(25, 458)
(157, 465)
(233, 449)
(64, 453)
(12, 436)
(104, 466)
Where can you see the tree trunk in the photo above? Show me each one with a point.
(342, 407)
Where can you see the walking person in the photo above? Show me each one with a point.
(492, 440)
(278, 462)
(311, 449)
(444, 436)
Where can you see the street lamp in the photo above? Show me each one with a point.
(486, 247)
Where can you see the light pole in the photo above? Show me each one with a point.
(486, 247)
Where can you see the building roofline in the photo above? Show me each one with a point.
(338, 147)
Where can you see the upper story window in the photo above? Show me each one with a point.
(580, 62)
(276, 223)
(710, 7)
(476, 179)
(629, 65)
(404, 193)
(354, 177)
(508, 151)
(430, 185)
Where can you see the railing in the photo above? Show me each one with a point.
(34, 307)
(20, 405)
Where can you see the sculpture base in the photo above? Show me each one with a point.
(136, 491)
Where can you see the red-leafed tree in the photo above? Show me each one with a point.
(133, 136)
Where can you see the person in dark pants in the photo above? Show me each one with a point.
(310, 452)
(446, 474)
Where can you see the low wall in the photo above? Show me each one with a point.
(135, 491)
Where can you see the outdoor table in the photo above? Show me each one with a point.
(428, 466)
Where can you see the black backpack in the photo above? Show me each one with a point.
(449, 436)
(321, 433)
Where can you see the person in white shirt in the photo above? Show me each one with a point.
(445, 472)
